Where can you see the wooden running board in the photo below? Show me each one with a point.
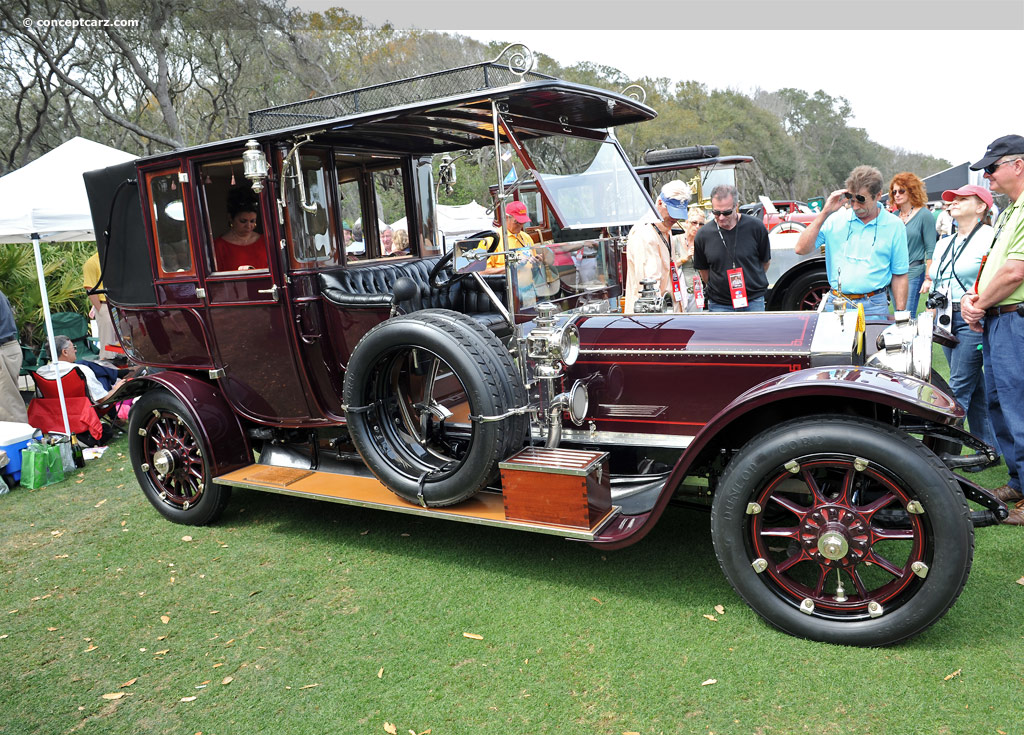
(485, 508)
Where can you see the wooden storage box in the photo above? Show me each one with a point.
(562, 487)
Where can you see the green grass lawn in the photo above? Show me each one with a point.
(295, 616)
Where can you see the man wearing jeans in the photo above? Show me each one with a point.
(732, 255)
(997, 307)
(865, 246)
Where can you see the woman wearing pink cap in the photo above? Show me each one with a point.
(953, 272)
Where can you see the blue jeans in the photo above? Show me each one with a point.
(967, 380)
(752, 305)
(1004, 383)
(877, 305)
(914, 284)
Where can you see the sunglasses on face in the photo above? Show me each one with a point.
(723, 213)
(859, 197)
(991, 168)
(898, 191)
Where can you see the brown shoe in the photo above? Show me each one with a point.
(1016, 517)
(1007, 494)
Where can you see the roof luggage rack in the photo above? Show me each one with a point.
(436, 85)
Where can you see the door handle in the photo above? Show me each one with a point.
(272, 291)
(303, 335)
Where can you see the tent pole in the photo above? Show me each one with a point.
(49, 331)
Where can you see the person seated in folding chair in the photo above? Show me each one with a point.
(44, 414)
(66, 354)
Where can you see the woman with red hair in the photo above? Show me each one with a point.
(907, 193)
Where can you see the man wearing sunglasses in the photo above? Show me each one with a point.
(732, 255)
(996, 306)
(865, 246)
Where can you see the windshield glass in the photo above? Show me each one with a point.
(570, 274)
(589, 183)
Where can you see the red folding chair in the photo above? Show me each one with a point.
(44, 410)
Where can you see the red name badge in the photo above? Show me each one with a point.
(737, 287)
(698, 292)
(677, 291)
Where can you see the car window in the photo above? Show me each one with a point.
(312, 236)
(350, 203)
(233, 220)
(392, 236)
(167, 211)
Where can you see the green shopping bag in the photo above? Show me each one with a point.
(41, 465)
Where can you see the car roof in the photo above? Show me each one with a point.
(444, 111)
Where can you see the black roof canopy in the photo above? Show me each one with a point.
(460, 120)
(465, 121)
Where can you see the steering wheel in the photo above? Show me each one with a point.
(444, 264)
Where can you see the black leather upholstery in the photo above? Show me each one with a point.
(372, 286)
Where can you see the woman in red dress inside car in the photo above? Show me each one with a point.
(242, 247)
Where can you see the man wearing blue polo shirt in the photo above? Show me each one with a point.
(865, 246)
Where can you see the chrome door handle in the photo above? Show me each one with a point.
(272, 291)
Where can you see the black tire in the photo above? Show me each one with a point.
(688, 153)
(501, 363)
(783, 227)
(397, 422)
(805, 292)
(831, 517)
(171, 460)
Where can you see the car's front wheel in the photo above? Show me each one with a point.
(842, 530)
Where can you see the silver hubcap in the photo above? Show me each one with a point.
(163, 461)
(833, 545)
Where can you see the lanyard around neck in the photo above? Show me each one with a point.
(953, 256)
(735, 234)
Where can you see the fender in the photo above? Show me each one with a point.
(227, 447)
(844, 383)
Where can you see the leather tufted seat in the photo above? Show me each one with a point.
(372, 286)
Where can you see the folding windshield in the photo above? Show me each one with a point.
(588, 183)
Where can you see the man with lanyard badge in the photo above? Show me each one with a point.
(996, 305)
(732, 255)
(865, 246)
(649, 250)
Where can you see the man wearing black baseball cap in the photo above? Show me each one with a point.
(996, 306)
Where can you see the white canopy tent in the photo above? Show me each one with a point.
(45, 201)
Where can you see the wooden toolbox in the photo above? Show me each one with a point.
(563, 487)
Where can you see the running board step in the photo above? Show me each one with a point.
(486, 508)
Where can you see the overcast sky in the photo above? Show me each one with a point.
(937, 91)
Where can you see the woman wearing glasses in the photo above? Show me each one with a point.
(953, 272)
(907, 192)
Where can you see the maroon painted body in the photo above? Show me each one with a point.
(672, 374)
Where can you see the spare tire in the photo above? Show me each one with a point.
(501, 365)
(689, 153)
(415, 389)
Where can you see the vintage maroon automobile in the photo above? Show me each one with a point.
(323, 367)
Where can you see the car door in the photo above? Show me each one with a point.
(246, 302)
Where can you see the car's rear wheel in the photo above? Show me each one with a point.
(842, 530)
(171, 461)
